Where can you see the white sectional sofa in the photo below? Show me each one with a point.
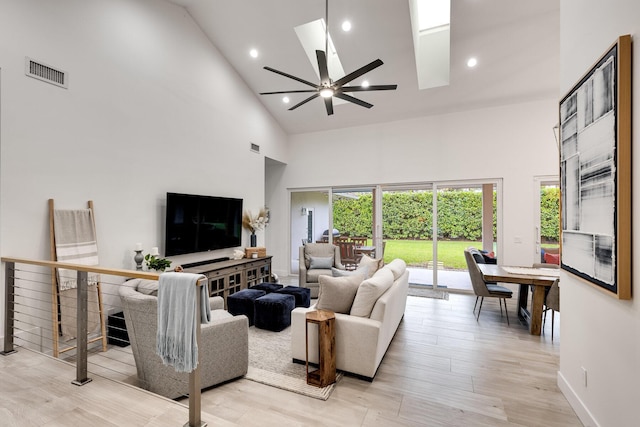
(361, 342)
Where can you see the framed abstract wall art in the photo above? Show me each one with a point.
(595, 173)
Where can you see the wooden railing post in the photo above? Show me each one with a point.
(9, 302)
(81, 329)
(195, 403)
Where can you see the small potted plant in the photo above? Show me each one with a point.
(155, 263)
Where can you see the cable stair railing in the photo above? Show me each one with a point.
(28, 321)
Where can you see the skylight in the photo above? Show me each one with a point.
(430, 20)
(433, 13)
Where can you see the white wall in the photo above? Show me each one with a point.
(599, 332)
(513, 142)
(151, 107)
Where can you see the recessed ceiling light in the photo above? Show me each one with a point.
(365, 83)
(253, 53)
(472, 62)
(346, 26)
(285, 99)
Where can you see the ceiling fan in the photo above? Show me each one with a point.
(328, 88)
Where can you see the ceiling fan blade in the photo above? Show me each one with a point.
(328, 103)
(352, 99)
(282, 73)
(315, 95)
(364, 89)
(289, 91)
(322, 68)
(357, 73)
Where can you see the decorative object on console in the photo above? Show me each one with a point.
(138, 257)
(259, 252)
(238, 254)
(255, 223)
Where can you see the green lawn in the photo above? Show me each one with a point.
(418, 252)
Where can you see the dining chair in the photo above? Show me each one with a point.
(483, 289)
(552, 302)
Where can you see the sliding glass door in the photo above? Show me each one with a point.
(466, 217)
(428, 225)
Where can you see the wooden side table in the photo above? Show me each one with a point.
(326, 372)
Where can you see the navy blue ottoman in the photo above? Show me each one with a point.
(273, 311)
(242, 302)
(302, 295)
(267, 287)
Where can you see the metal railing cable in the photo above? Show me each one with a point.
(29, 324)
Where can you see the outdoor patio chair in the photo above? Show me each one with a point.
(348, 254)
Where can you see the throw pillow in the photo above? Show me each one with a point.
(363, 270)
(148, 287)
(397, 267)
(337, 293)
(373, 264)
(320, 262)
(369, 291)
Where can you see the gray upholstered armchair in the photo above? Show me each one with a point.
(223, 350)
(317, 259)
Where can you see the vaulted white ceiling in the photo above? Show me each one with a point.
(516, 42)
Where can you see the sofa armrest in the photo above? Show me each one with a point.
(302, 267)
(357, 345)
(224, 347)
(216, 303)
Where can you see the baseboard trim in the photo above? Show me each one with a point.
(576, 403)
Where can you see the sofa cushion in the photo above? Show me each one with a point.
(397, 267)
(148, 287)
(363, 270)
(337, 293)
(314, 275)
(372, 263)
(316, 262)
(369, 291)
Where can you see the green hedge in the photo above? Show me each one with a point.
(409, 215)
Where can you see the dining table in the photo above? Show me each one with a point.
(538, 278)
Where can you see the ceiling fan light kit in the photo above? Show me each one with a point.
(327, 89)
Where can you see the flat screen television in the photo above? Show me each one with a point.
(201, 223)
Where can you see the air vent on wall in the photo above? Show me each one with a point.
(255, 148)
(43, 72)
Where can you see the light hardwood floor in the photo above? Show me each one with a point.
(442, 369)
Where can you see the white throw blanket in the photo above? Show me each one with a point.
(75, 239)
(176, 336)
(76, 243)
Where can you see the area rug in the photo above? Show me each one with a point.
(424, 291)
(270, 363)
